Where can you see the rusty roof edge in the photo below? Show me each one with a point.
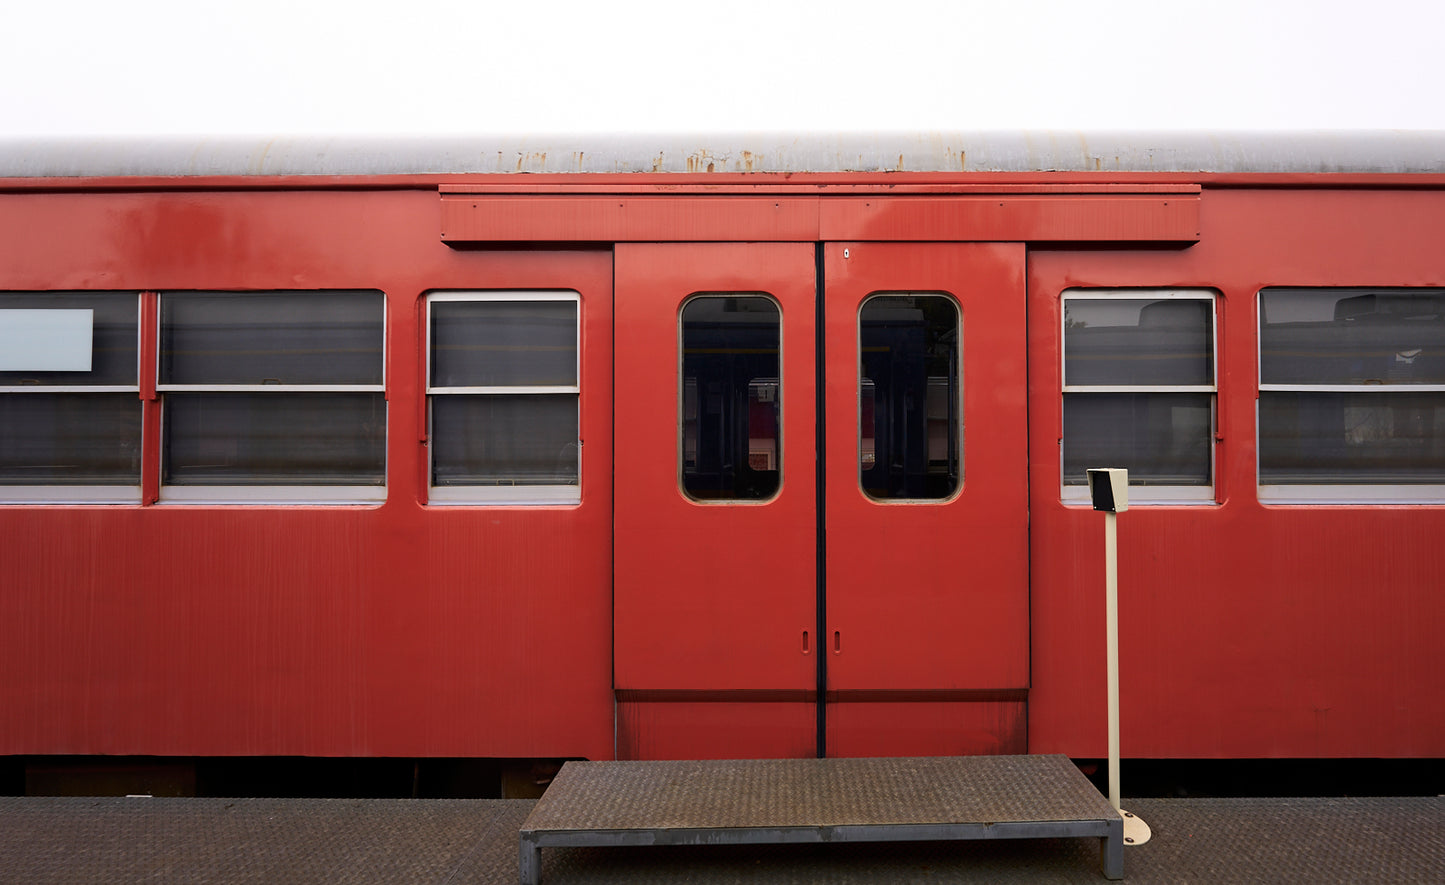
(1316, 151)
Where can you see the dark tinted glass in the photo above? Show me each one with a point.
(731, 399)
(114, 333)
(275, 439)
(1138, 341)
(511, 440)
(909, 397)
(1333, 438)
(503, 343)
(271, 338)
(70, 439)
(1161, 438)
(1352, 336)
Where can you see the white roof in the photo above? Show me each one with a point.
(1378, 152)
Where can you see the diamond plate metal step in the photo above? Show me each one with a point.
(773, 801)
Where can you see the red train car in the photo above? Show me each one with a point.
(726, 448)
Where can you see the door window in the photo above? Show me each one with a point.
(910, 397)
(731, 398)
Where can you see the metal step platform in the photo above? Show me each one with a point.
(773, 801)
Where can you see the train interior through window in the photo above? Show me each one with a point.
(418, 467)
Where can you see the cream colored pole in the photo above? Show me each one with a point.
(1136, 832)
(1111, 640)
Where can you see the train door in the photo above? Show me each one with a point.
(714, 546)
(741, 585)
(926, 584)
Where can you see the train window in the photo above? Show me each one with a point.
(503, 385)
(1352, 395)
(731, 398)
(70, 413)
(272, 396)
(910, 397)
(1139, 392)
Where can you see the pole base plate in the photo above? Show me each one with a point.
(1136, 832)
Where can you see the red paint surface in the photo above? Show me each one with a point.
(710, 596)
(610, 218)
(1245, 630)
(716, 729)
(393, 630)
(926, 728)
(930, 595)
(1306, 631)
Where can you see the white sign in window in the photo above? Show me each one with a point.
(39, 340)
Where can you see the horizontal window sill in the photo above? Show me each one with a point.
(1346, 495)
(70, 494)
(1145, 496)
(504, 495)
(260, 494)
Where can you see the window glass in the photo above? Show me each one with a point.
(1351, 336)
(909, 397)
(503, 343)
(271, 338)
(1352, 390)
(275, 439)
(273, 390)
(504, 397)
(732, 400)
(505, 440)
(1139, 390)
(1163, 438)
(73, 431)
(1133, 341)
(69, 439)
(1335, 438)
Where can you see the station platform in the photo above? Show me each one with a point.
(448, 842)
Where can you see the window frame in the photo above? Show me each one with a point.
(1139, 493)
(960, 426)
(83, 494)
(312, 493)
(1343, 493)
(500, 495)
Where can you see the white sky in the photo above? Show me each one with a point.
(291, 67)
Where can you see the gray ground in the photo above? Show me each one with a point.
(81, 840)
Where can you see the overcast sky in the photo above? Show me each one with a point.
(292, 67)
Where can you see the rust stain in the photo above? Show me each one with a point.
(748, 161)
(900, 163)
(710, 169)
(657, 163)
(962, 160)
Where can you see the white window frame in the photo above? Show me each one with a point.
(272, 494)
(1336, 493)
(82, 494)
(1138, 493)
(503, 495)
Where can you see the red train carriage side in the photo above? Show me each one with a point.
(386, 450)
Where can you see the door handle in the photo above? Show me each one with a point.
(837, 642)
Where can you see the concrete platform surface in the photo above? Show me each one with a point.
(94, 840)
